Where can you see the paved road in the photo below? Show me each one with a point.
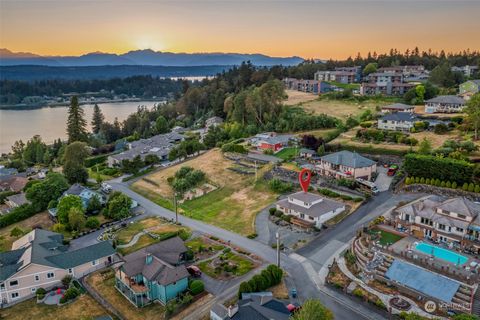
(304, 277)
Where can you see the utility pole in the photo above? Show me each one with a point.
(277, 236)
(175, 204)
(255, 170)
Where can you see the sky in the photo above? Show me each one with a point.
(310, 29)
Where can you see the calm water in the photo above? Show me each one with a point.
(50, 123)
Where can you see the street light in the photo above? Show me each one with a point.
(277, 236)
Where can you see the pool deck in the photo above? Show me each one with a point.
(406, 247)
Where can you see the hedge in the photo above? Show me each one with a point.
(269, 277)
(17, 214)
(232, 147)
(90, 162)
(196, 287)
(470, 187)
(444, 169)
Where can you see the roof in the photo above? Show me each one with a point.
(316, 210)
(447, 99)
(475, 81)
(309, 151)
(255, 306)
(18, 199)
(400, 117)
(7, 171)
(460, 205)
(14, 183)
(163, 268)
(398, 106)
(46, 248)
(348, 159)
(426, 282)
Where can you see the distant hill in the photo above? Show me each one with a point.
(143, 57)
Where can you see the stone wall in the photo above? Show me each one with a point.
(446, 192)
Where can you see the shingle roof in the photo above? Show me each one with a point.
(18, 199)
(316, 210)
(400, 117)
(255, 307)
(163, 268)
(349, 159)
(398, 106)
(447, 99)
(44, 247)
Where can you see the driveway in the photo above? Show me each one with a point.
(383, 181)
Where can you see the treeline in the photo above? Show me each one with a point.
(14, 91)
(429, 59)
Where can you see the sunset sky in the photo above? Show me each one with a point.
(310, 29)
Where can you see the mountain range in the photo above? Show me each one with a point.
(143, 57)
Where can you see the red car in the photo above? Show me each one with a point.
(194, 271)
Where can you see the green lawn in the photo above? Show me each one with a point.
(287, 153)
(195, 244)
(243, 266)
(353, 86)
(387, 238)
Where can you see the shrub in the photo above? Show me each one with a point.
(92, 223)
(465, 187)
(252, 236)
(16, 232)
(196, 287)
(279, 186)
(17, 214)
(454, 185)
(278, 213)
(40, 293)
(66, 280)
(272, 211)
(70, 293)
(471, 187)
(358, 293)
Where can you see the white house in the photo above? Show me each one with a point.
(397, 121)
(445, 104)
(309, 207)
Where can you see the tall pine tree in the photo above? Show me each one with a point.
(76, 123)
(97, 119)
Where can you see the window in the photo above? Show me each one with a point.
(14, 295)
(70, 270)
(407, 217)
(441, 226)
(37, 277)
(33, 290)
(2, 286)
(13, 283)
(459, 229)
(50, 275)
(94, 262)
(461, 216)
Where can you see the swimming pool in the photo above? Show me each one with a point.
(441, 253)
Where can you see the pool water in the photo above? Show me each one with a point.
(441, 253)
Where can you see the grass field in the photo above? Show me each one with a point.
(339, 108)
(244, 265)
(41, 220)
(105, 285)
(296, 97)
(387, 238)
(287, 153)
(85, 307)
(233, 206)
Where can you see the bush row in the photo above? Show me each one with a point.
(444, 184)
(333, 194)
(270, 276)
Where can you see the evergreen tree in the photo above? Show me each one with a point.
(97, 119)
(76, 123)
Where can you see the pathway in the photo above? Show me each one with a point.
(133, 241)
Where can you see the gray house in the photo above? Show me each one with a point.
(445, 104)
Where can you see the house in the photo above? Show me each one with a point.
(84, 193)
(307, 153)
(346, 164)
(398, 107)
(7, 171)
(454, 221)
(213, 121)
(467, 70)
(311, 86)
(471, 86)
(154, 273)
(272, 141)
(159, 145)
(40, 259)
(12, 183)
(397, 121)
(252, 306)
(16, 200)
(311, 209)
(445, 104)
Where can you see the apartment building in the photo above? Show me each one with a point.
(385, 83)
(311, 86)
(345, 77)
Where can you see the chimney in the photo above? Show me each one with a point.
(148, 258)
(232, 310)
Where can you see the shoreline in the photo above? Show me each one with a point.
(66, 104)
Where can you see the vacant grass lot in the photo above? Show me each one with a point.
(296, 97)
(85, 307)
(41, 220)
(233, 206)
(287, 153)
(105, 286)
(340, 108)
(244, 265)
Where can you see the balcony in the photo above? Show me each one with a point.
(136, 293)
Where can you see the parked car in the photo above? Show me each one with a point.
(106, 187)
(392, 170)
(194, 271)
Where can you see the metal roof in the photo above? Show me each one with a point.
(348, 159)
